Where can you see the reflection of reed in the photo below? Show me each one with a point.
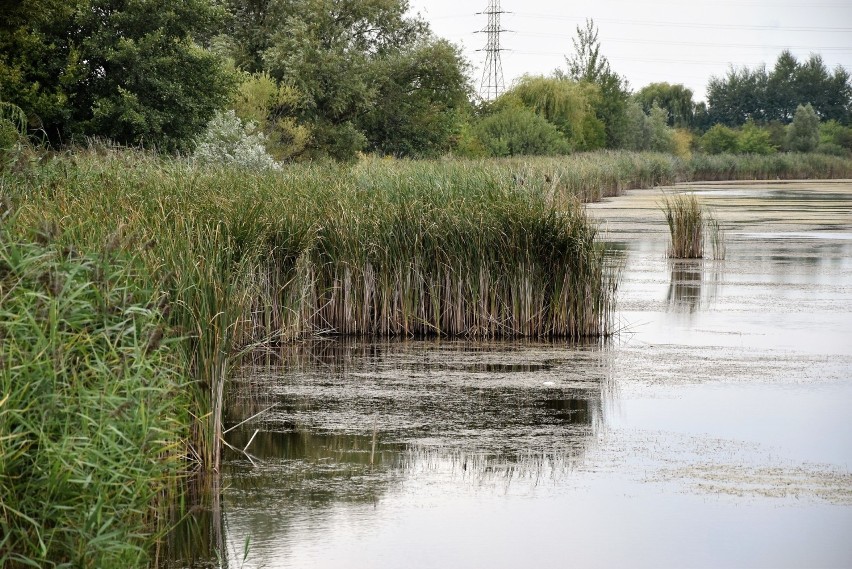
(690, 288)
(353, 419)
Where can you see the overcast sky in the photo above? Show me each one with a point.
(678, 41)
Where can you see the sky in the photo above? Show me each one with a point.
(677, 41)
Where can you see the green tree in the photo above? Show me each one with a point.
(332, 53)
(803, 132)
(589, 65)
(781, 88)
(130, 70)
(676, 100)
(720, 139)
(568, 105)
(755, 94)
(422, 92)
(738, 97)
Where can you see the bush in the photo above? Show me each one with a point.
(754, 140)
(720, 139)
(227, 141)
(519, 131)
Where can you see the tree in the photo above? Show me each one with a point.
(422, 93)
(676, 100)
(590, 66)
(369, 77)
(755, 94)
(803, 132)
(568, 105)
(738, 97)
(130, 70)
(515, 130)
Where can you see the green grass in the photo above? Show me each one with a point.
(691, 227)
(686, 226)
(93, 427)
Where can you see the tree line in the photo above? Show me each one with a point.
(264, 81)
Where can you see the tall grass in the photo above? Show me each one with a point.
(429, 248)
(690, 227)
(686, 226)
(92, 409)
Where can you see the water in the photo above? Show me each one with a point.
(712, 431)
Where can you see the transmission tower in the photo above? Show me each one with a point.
(492, 75)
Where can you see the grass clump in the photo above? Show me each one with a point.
(689, 227)
(92, 410)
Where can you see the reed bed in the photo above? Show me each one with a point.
(93, 427)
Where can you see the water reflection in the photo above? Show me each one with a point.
(691, 288)
(356, 422)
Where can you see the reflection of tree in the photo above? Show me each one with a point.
(354, 420)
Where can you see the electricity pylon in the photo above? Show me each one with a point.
(492, 75)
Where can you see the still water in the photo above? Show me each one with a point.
(712, 431)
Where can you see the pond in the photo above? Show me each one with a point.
(712, 430)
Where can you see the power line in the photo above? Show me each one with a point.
(691, 24)
(694, 44)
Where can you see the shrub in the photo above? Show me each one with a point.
(517, 130)
(227, 141)
(720, 139)
(754, 140)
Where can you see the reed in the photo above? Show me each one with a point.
(235, 260)
(93, 427)
(690, 227)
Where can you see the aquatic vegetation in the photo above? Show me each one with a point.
(93, 422)
(686, 226)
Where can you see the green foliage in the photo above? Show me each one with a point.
(754, 140)
(92, 417)
(588, 65)
(676, 100)
(334, 58)
(422, 93)
(803, 132)
(755, 94)
(229, 142)
(660, 136)
(648, 131)
(273, 108)
(516, 130)
(567, 104)
(832, 132)
(130, 71)
(720, 139)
